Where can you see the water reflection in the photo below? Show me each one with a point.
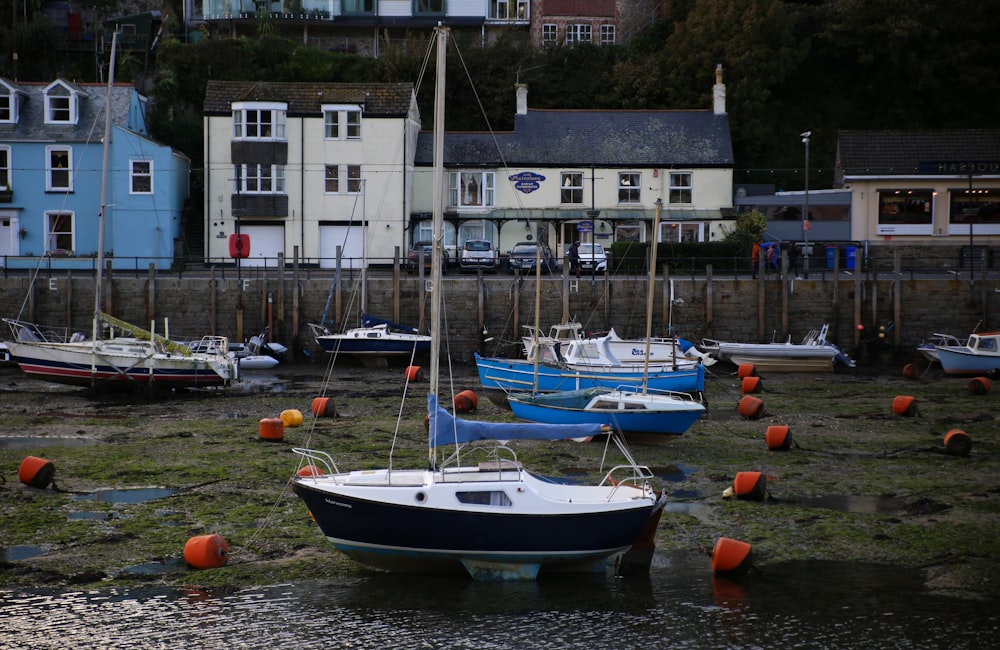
(680, 604)
(35, 442)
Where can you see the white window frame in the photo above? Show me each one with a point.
(681, 188)
(250, 117)
(5, 167)
(60, 98)
(571, 187)
(354, 182)
(331, 179)
(342, 121)
(346, 178)
(579, 33)
(50, 186)
(629, 187)
(550, 34)
(51, 237)
(8, 105)
(608, 35)
(253, 177)
(471, 190)
(510, 10)
(429, 7)
(140, 171)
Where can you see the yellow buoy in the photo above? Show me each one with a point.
(291, 417)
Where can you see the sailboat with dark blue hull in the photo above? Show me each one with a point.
(492, 518)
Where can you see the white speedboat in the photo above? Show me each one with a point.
(813, 354)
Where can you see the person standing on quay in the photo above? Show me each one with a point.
(755, 257)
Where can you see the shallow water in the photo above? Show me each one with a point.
(681, 604)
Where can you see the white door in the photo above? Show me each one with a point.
(351, 240)
(266, 243)
(8, 228)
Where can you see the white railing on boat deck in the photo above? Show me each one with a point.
(34, 333)
(313, 457)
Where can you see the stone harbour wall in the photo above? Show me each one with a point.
(736, 309)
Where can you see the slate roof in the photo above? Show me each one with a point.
(90, 123)
(907, 153)
(304, 99)
(579, 138)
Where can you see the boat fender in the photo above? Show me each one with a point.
(272, 429)
(731, 556)
(905, 405)
(751, 407)
(323, 407)
(36, 472)
(751, 486)
(750, 385)
(291, 418)
(778, 438)
(206, 551)
(466, 401)
(979, 386)
(957, 443)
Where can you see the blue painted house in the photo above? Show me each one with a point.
(51, 162)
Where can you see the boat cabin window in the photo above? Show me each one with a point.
(485, 498)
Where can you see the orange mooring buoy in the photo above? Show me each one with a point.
(36, 472)
(751, 486)
(272, 429)
(745, 370)
(751, 407)
(778, 438)
(291, 418)
(731, 556)
(309, 470)
(414, 373)
(206, 551)
(322, 407)
(466, 401)
(957, 443)
(904, 405)
(750, 385)
(979, 386)
(911, 371)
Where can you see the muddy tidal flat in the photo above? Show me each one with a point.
(136, 477)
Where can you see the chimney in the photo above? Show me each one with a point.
(719, 91)
(522, 99)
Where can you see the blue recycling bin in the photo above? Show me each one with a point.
(831, 256)
(851, 253)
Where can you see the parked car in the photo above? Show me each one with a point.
(413, 259)
(592, 257)
(479, 254)
(521, 258)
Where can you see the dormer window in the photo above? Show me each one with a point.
(342, 122)
(259, 121)
(8, 104)
(61, 104)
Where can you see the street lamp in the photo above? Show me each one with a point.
(805, 209)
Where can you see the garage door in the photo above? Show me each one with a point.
(351, 240)
(266, 243)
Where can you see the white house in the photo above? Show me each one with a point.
(311, 167)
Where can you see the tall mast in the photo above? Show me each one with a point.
(438, 199)
(652, 294)
(104, 204)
